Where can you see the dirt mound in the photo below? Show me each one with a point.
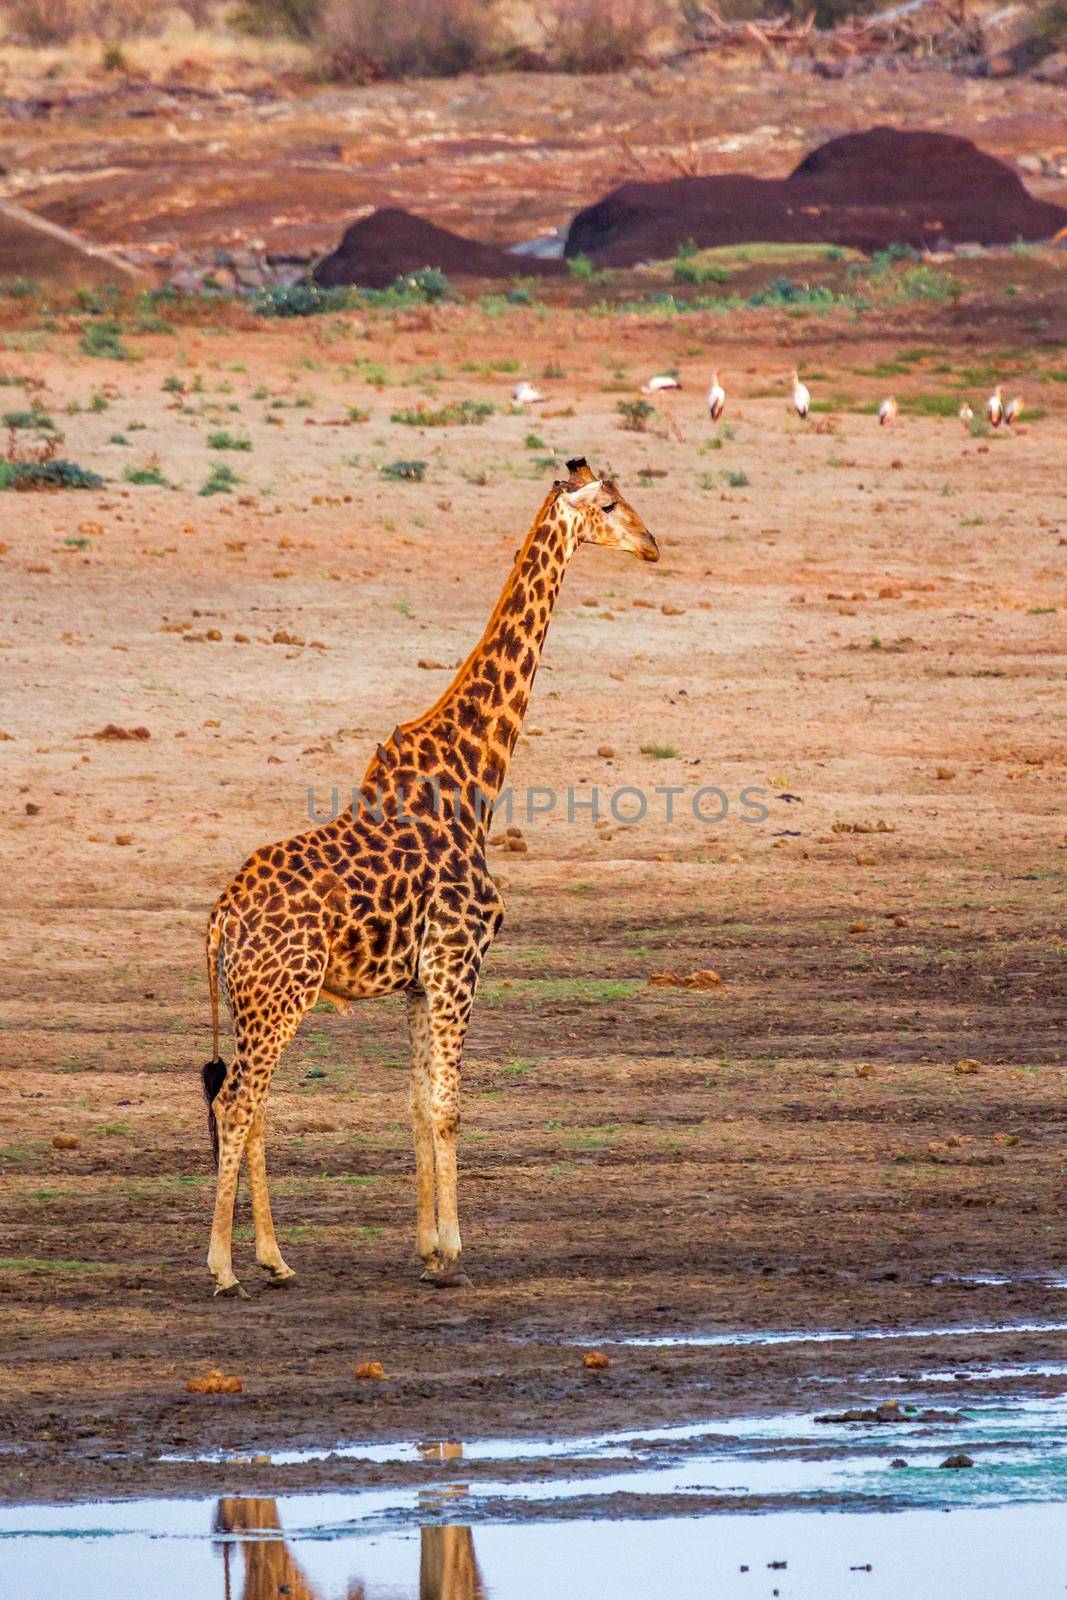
(382, 247)
(865, 190)
(33, 247)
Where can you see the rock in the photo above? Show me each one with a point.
(958, 1461)
(65, 1141)
(898, 1462)
(595, 1360)
(391, 242)
(866, 190)
(372, 1371)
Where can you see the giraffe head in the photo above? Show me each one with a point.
(597, 513)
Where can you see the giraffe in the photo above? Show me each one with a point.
(394, 896)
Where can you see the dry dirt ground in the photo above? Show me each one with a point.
(865, 623)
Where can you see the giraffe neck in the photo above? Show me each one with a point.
(467, 737)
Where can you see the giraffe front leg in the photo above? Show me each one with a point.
(448, 1025)
(426, 1239)
(268, 1256)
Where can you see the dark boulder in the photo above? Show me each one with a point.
(864, 190)
(378, 249)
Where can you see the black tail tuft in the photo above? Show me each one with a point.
(214, 1076)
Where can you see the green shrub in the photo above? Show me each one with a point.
(104, 339)
(635, 415)
(228, 441)
(28, 419)
(686, 269)
(299, 300)
(47, 475)
(428, 284)
(404, 471)
(145, 475)
(220, 480)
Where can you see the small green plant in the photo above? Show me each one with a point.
(228, 441)
(660, 752)
(118, 438)
(173, 385)
(404, 471)
(34, 418)
(151, 474)
(220, 480)
(357, 414)
(635, 415)
(456, 414)
(428, 284)
(533, 441)
(104, 339)
(686, 269)
(98, 402)
(736, 477)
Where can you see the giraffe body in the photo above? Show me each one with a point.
(394, 896)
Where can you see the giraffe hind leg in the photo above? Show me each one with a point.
(261, 1032)
(268, 1256)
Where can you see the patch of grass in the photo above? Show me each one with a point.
(404, 471)
(929, 405)
(456, 414)
(688, 266)
(581, 267)
(39, 1264)
(34, 418)
(151, 474)
(661, 752)
(228, 441)
(736, 477)
(104, 339)
(220, 480)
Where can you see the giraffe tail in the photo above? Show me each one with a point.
(213, 1072)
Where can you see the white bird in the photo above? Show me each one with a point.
(887, 411)
(716, 398)
(966, 415)
(801, 396)
(1013, 410)
(994, 406)
(662, 380)
(526, 395)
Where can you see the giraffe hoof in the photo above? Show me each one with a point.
(279, 1277)
(452, 1278)
(232, 1291)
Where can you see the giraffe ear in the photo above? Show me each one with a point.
(585, 496)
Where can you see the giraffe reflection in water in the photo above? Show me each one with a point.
(448, 1567)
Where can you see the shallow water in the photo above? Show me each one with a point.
(828, 1499)
(832, 1335)
(169, 1552)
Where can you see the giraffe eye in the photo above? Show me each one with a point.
(609, 507)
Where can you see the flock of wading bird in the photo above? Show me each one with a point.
(996, 411)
